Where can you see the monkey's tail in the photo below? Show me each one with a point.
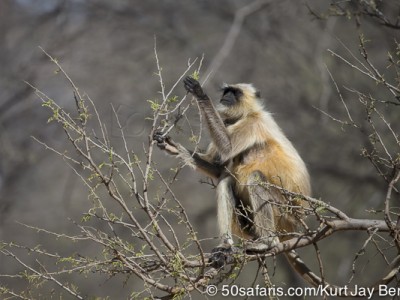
(300, 267)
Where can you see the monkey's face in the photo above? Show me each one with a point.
(231, 96)
(239, 100)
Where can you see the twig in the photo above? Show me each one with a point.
(233, 34)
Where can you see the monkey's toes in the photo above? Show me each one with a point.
(221, 256)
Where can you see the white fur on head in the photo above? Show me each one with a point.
(245, 87)
(249, 102)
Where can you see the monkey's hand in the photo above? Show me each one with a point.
(166, 143)
(222, 255)
(193, 86)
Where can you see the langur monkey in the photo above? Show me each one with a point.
(247, 149)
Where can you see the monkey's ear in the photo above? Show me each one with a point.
(224, 86)
(258, 94)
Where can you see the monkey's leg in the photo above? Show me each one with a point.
(226, 203)
(261, 205)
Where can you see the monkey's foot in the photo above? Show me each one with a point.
(221, 256)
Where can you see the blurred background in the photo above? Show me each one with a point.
(107, 48)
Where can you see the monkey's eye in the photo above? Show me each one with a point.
(238, 93)
(234, 92)
(258, 94)
(226, 90)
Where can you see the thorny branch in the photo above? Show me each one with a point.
(386, 13)
(144, 222)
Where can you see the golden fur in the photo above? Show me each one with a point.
(267, 149)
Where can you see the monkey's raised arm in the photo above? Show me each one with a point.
(216, 126)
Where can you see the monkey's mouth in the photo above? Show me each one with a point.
(226, 102)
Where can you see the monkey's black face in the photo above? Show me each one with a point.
(231, 96)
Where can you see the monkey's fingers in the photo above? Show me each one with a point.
(190, 81)
(158, 137)
(193, 86)
(188, 84)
